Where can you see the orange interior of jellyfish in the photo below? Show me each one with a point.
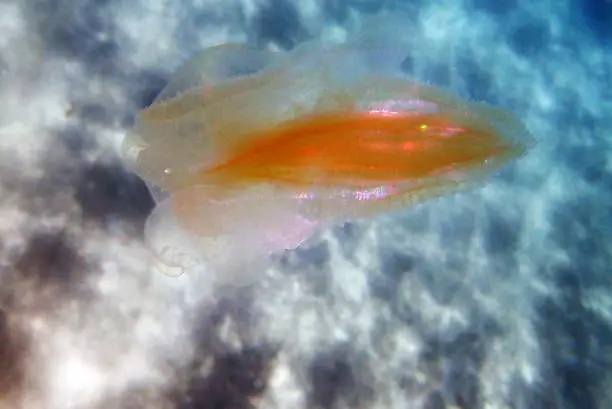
(357, 149)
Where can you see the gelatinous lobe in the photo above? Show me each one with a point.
(249, 151)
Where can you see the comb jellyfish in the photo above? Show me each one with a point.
(248, 152)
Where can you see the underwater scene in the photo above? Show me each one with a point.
(305, 204)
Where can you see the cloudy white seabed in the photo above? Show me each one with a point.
(495, 298)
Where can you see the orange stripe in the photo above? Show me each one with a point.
(361, 149)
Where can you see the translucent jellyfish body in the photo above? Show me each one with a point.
(248, 152)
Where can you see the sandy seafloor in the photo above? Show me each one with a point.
(496, 299)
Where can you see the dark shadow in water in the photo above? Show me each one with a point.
(478, 81)
(502, 235)
(279, 22)
(144, 87)
(575, 338)
(337, 10)
(336, 380)
(597, 15)
(458, 362)
(576, 344)
(434, 400)
(107, 193)
(80, 30)
(13, 354)
(384, 285)
(530, 38)
(52, 258)
(234, 377)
